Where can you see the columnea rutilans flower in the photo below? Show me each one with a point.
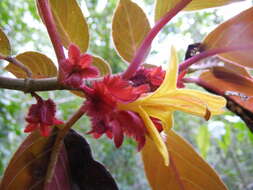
(101, 106)
(41, 116)
(77, 67)
(162, 103)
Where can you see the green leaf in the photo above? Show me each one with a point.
(5, 47)
(40, 65)
(129, 27)
(163, 6)
(203, 140)
(187, 170)
(71, 23)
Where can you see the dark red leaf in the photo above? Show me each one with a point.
(87, 174)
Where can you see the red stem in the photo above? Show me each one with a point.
(186, 64)
(143, 49)
(47, 17)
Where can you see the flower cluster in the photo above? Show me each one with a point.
(41, 116)
(145, 108)
(101, 106)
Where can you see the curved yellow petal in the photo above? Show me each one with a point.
(164, 114)
(154, 134)
(170, 81)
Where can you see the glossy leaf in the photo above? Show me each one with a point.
(28, 166)
(237, 69)
(71, 23)
(40, 65)
(163, 6)
(5, 47)
(237, 31)
(187, 170)
(238, 90)
(129, 27)
(231, 85)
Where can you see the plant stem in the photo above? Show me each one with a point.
(58, 145)
(33, 85)
(144, 48)
(47, 17)
(14, 61)
(186, 64)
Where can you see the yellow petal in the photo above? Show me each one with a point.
(166, 116)
(155, 136)
(190, 101)
(170, 81)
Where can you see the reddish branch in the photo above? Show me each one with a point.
(143, 49)
(47, 17)
(186, 64)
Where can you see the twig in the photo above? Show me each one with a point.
(34, 85)
(187, 63)
(47, 17)
(58, 145)
(18, 64)
(143, 49)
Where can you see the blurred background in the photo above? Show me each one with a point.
(224, 141)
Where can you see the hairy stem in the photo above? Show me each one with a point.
(47, 17)
(18, 64)
(144, 48)
(186, 64)
(58, 145)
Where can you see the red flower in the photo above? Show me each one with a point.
(152, 76)
(41, 116)
(101, 106)
(77, 67)
(156, 76)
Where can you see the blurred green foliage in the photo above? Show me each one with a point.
(224, 141)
